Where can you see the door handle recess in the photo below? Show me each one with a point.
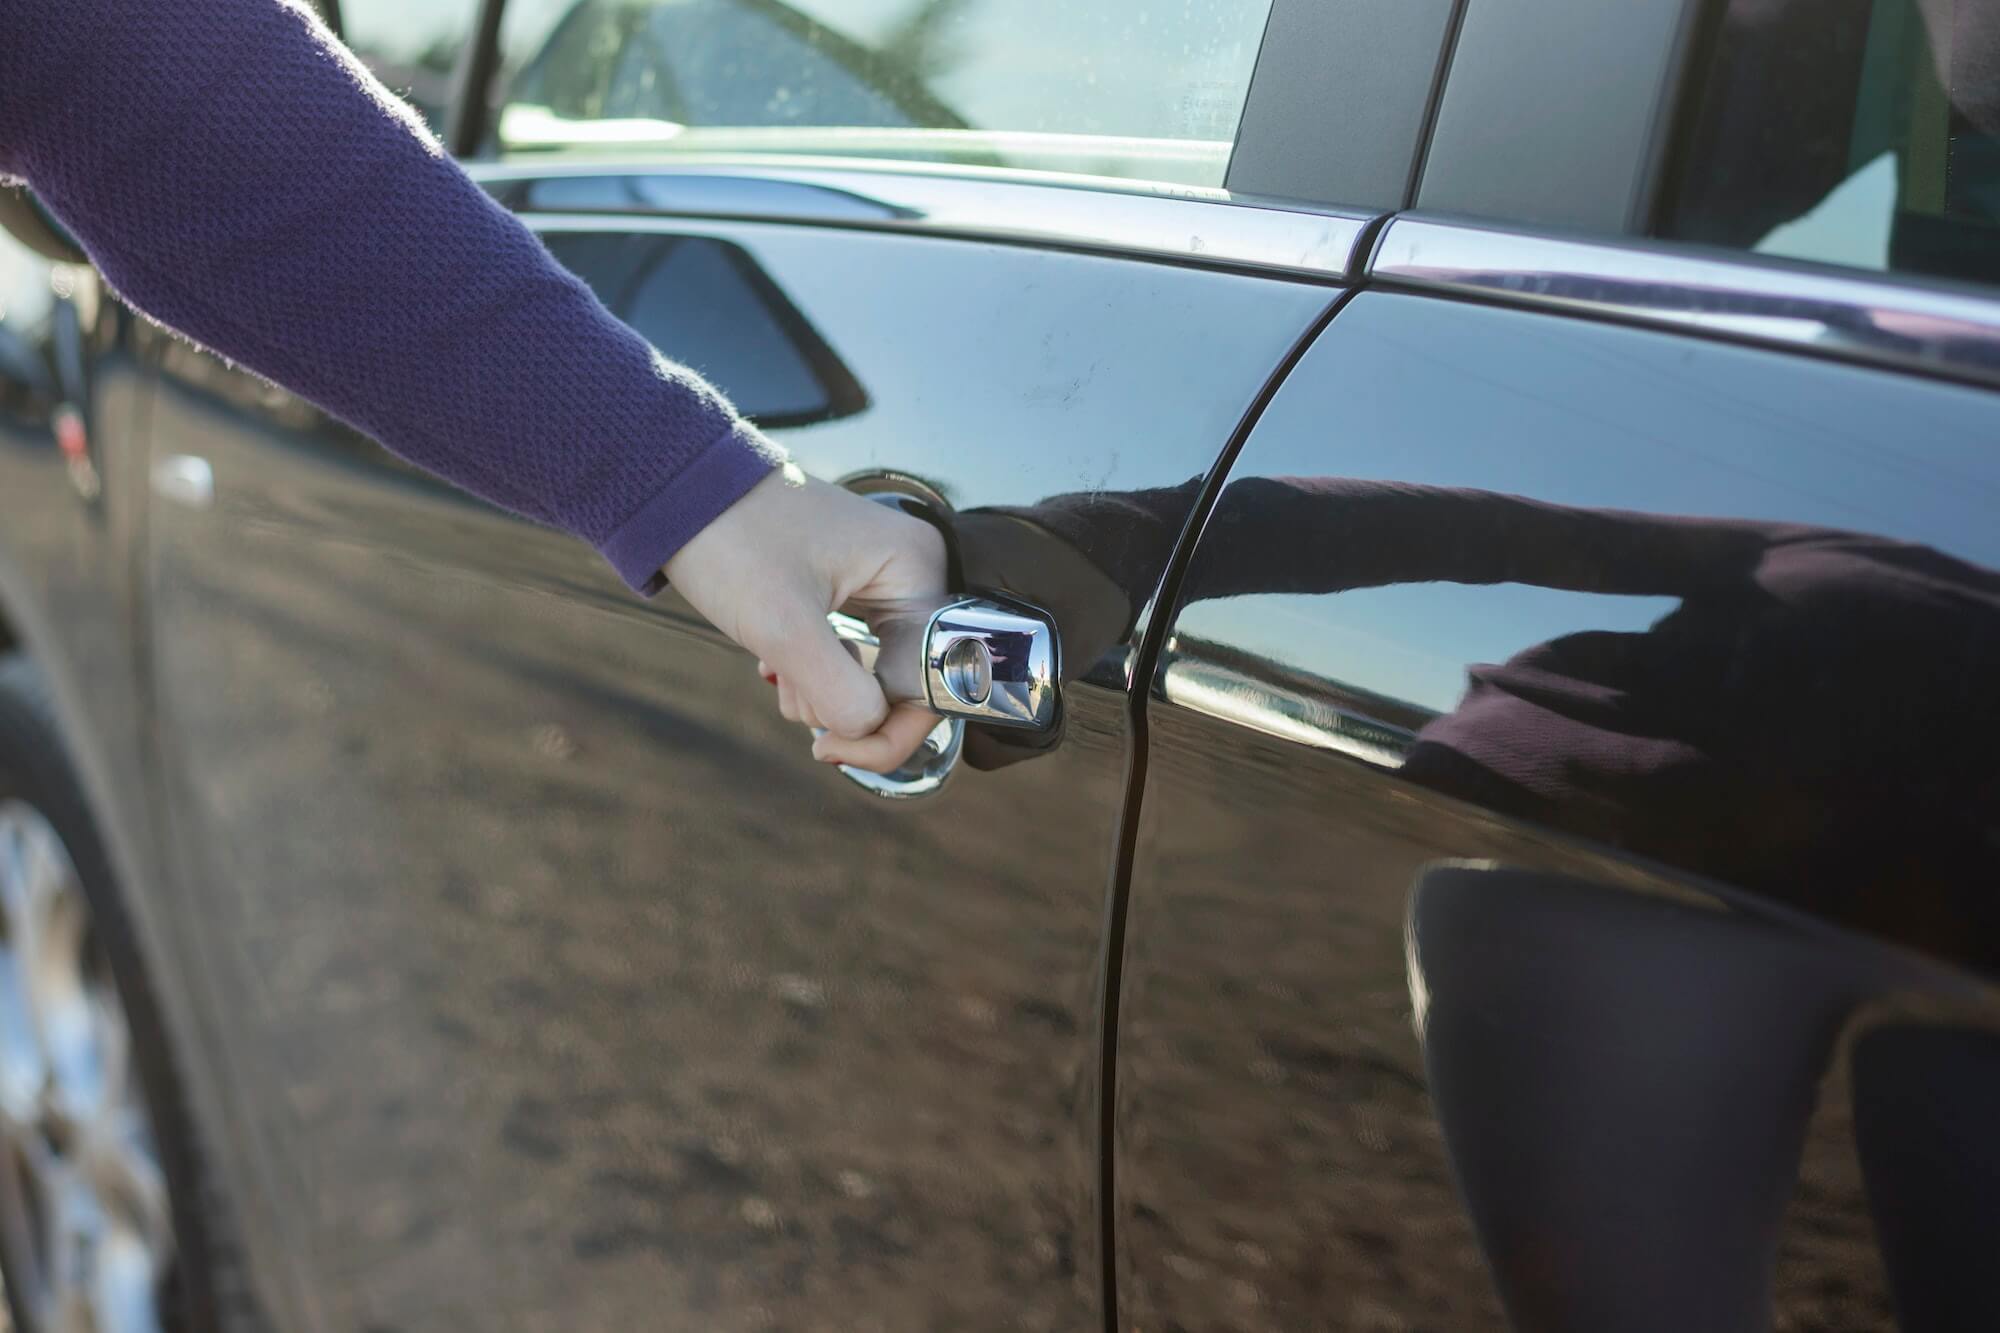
(983, 659)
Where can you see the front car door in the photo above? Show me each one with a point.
(1563, 885)
(553, 985)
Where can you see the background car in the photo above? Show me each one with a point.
(1514, 482)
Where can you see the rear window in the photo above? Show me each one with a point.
(1115, 89)
(1857, 132)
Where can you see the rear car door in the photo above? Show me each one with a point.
(553, 986)
(1562, 892)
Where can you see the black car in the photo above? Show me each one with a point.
(1506, 494)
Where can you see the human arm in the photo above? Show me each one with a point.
(237, 175)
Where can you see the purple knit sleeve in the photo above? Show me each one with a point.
(241, 178)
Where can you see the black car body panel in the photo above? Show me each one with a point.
(1539, 979)
(554, 984)
(1519, 845)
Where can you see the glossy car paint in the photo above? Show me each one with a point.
(1696, 1046)
(534, 980)
(555, 986)
(69, 533)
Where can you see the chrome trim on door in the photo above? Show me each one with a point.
(1855, 316)
(923, 773)
(1183, 224)
(987, 659)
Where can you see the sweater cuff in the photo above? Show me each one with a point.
(717, 478)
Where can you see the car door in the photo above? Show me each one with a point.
(70, 401)
(551, 983)
(1562, 885)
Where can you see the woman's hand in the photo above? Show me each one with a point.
(768, 570)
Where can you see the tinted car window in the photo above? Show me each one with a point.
(711, 305)
(1121, 90)
(412, 45)
(1859, 132)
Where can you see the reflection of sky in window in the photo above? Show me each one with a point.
(1850, 226)
(1413, 641)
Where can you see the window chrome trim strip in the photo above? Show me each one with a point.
(1211, 228)
(1905, 325)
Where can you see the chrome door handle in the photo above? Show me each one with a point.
(987, 659)
(973, 659)
(935, 760)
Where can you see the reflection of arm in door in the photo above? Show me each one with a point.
(1814, 721)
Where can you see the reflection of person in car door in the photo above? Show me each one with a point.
(1814, 722)
(238, 175)
(1624, 1083)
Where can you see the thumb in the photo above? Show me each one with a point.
(833, 686)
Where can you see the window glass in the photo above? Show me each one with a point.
(1119, 89)
(709, 304)
(412, 46)
(1859, 132)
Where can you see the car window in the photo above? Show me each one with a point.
(412, 46)
(1121, 89)
(710, 304)
(1858, 132)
